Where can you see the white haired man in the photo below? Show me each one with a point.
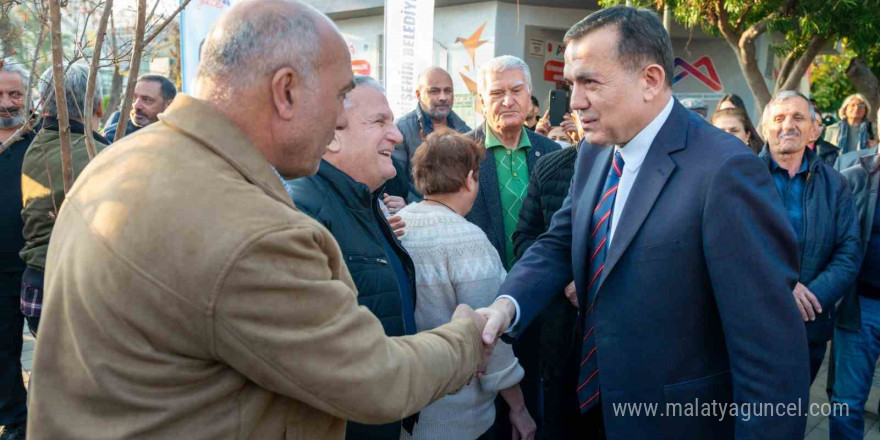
(42, 188)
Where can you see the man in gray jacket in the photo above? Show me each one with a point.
(434, 110)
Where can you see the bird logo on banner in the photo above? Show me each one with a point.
(472, 43)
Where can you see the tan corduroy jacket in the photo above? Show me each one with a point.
(187, 298)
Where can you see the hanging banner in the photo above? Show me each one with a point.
(409, 45)
(195, 22)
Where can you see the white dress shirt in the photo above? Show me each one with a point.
(633, 155)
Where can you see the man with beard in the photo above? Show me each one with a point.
(434, 110)
(822, 212)
(13, 409)
(152, 95)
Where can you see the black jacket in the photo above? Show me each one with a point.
(110, 131)
(487, 212)
(548, 186)
(544, 347)
(831, 252)
(11, 238)
(864, 177)
(827, 151)
(352, 214)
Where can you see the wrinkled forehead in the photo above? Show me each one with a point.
(10, 81)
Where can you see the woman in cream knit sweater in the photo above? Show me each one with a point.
(456, 264)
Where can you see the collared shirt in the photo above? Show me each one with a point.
(791, 190)
(633, 155)
(512, 169)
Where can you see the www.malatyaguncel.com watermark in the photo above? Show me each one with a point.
(722, 410)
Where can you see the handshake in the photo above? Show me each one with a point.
(492, 321)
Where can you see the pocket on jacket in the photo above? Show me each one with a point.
(659, 251)
(688, 403)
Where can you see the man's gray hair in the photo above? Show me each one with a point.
(21, 71)
(841, 112)
(258, 46)
(75, 81)
(502, 64)
(364, 80)
(785, 95)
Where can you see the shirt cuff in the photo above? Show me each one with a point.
(510, 329)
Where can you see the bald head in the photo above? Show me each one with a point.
(256, 37)
(435, 93)
(279, 70)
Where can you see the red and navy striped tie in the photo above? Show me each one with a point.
(588, 379)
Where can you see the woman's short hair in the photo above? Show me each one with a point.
(441, 164)
(841, 112)
(755, 141)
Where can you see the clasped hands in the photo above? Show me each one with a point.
(492, 321)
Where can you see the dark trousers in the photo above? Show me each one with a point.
(817, 355)
(13, 397)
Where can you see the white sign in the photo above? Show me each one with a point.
(536, 48)
(409, 45)
(195, 22)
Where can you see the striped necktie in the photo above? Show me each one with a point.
(588, 379)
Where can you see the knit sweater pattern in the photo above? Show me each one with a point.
(456, 264)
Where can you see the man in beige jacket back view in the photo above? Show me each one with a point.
(187, 298)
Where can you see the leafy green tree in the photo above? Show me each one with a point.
(807, 26)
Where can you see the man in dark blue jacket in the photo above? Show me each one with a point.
(683, 260)
(344, 197)
(820, 207)
(436, 96)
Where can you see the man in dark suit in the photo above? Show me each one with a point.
(683, 259)
(505, 87)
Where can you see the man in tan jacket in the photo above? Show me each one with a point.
(187, 298)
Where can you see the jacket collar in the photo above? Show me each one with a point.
(51, 123)
(355, 194)
(809, 155)
(202, 121)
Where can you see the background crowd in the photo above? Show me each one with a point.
(303, 262)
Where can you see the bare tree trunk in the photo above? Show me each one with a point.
(116, 83)
(60, 96)
(792, 78)
(133, 68)
(748, 61)
(865, 82)
(93, 76)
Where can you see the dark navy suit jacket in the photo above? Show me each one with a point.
(486, 212)
(695, 301)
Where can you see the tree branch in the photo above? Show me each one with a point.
(165, 23)
(799, 68)
(133, 68)
(93, 76)
(60, 96)
(28, 121)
